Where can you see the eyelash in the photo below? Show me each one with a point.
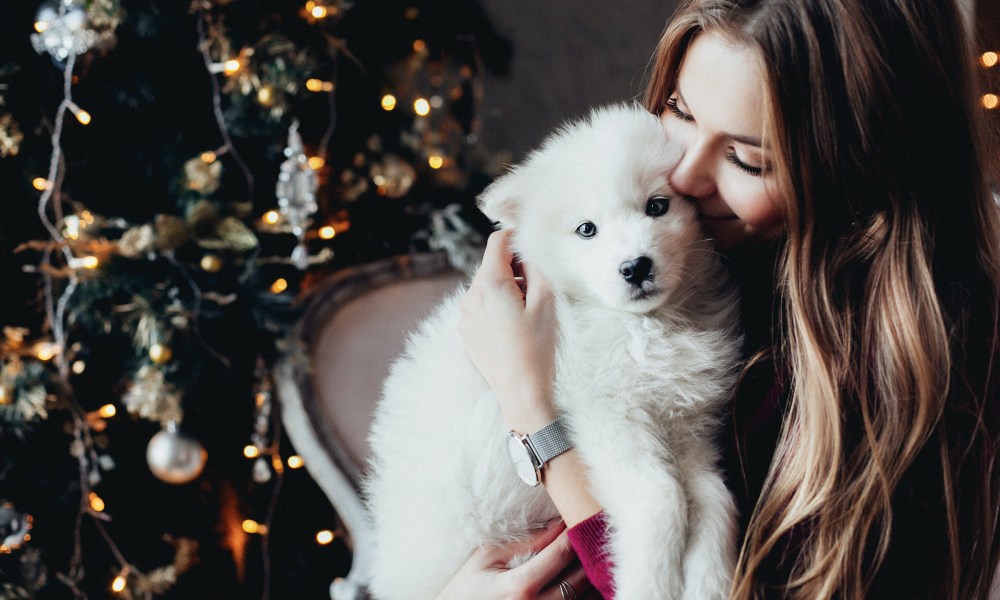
(671, 105)
(750, 170)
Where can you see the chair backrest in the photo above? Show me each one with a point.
(353, 326)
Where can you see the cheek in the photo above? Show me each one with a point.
(752, 203)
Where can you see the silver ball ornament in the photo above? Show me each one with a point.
(175, 457)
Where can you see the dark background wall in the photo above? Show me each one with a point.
(568, 55)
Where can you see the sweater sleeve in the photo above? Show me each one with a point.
(589, 539)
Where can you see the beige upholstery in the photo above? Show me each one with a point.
(352, 327)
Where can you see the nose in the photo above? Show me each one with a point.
(636, 271)
(693, 175)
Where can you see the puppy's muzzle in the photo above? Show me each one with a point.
(637, 270)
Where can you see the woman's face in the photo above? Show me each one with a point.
(717, 115)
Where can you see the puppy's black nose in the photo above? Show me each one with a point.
(636, 271)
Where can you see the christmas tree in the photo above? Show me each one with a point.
(174, 176)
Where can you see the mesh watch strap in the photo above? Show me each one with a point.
(550, 441)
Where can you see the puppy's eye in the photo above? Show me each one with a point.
(657, 205)
(586, 230)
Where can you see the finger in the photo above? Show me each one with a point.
(535, 543)
(551, 560)
(539, 289)
(578, 583)
(498, 256)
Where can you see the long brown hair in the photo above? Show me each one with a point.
(889, 282)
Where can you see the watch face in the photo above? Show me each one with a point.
(520, 457)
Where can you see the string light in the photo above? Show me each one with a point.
(327, 232)
(231, 67)
(419, 45)
(435, 161)
(81, 115)
(209, 157)
(422, 107)
(251, 451)
(40, 183)
(991, 101)
(251, 526)
(41, 26)
(989, 59)
(316, 162)
(108, 410)
(324, 537)
(271, 217)
(279, 285)
(46, 351)
(96, 502)
(318, 85)
(295, 462)
(78, 367)
(265, 96)
(388, 102)
(118, 585)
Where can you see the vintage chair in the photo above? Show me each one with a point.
(352, 327)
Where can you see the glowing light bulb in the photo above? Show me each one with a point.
(118, 585)
(96, 502)
(388, 102)
(327, 232)
(108, 410)
(251, 451)
(41, 26)
(79, 367)
(40, 183)
(419, 45)
(435, 161)
(991, 101)
(989, 59)
(209, 157)
(251, 526)
(295, 462)
(231, 67)
(422, 107)
(324, 537)
(319, 12)
(90, 262)
(279, 285)
(45, 351)
(316, 162)
(83, 117)
(314, 85)
(271, 217)
(265, 96)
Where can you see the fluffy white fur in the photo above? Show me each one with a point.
(642, 373)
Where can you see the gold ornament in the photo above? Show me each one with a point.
(202, 177)
(151, 397)
(10, 136)
(137, 241)
(211, 263)
(160, 353)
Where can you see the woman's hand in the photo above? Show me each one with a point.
(510, 335)
(485, 575)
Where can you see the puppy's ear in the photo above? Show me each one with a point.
(500, 201)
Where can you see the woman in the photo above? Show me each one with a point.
(834, 151)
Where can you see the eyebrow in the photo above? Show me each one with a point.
(742, 139)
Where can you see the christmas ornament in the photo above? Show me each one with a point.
(393, 177)
(202, 177)
(211, 263)
(64, 29)
(296, 192)
(151, 397)
(15, 528)
(175, 457)
(10, 136)
(160, 353)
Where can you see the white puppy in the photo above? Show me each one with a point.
(646, 359)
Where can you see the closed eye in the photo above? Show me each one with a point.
(671, 105)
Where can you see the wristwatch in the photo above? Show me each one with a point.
(529, 453)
